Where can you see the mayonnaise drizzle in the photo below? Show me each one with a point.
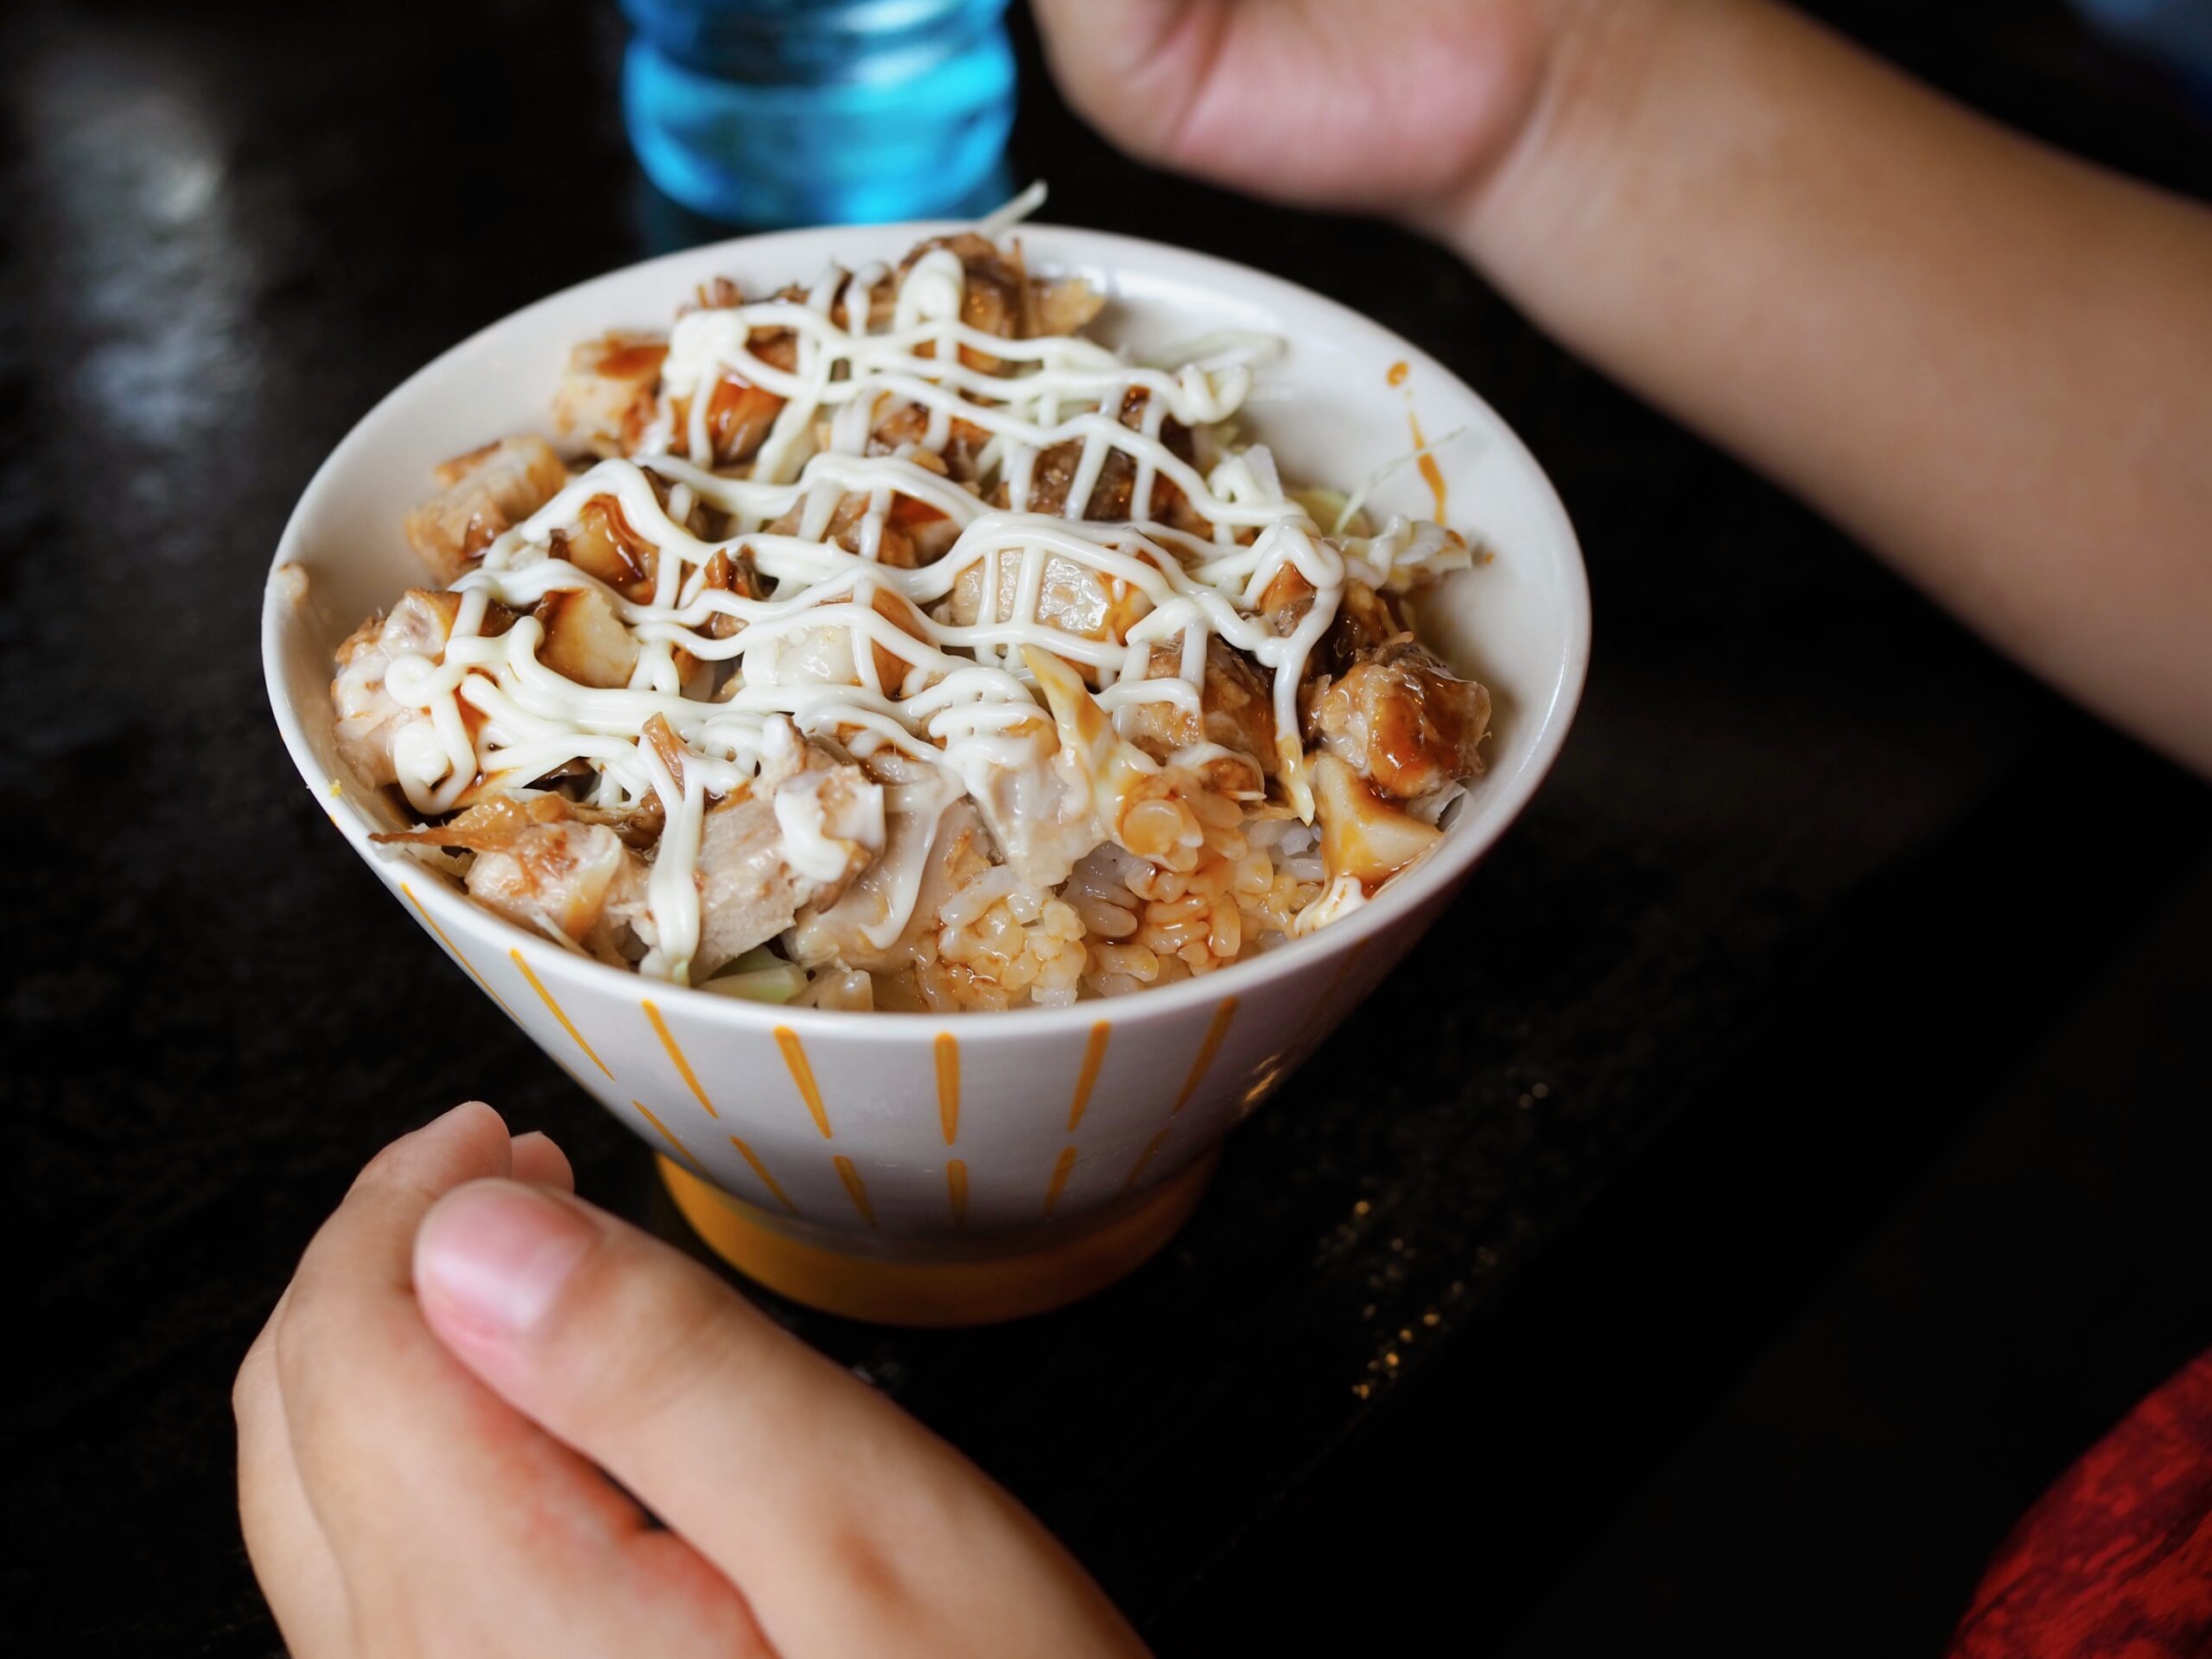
(961, 700)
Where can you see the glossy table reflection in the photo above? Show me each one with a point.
(1807, 939)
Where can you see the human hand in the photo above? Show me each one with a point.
(1392, 106)
(433, 1424)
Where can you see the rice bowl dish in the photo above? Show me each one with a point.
(884, 642)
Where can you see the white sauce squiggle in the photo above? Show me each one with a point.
(809, 651)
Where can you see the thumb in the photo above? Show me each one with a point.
(848, 1527)
(1132, 67)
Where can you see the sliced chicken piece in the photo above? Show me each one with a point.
(566, 871)
(820, 656)
(991, 300)
(806, 826)
(728, 576)
(1285, 600)
(909, 424)
(739, 417)
(778, 347)
(900, 676)
(1236, 712)
(739, 413)
(1109, 501)
(368, 719)
(908, 526)
(1363, 617)
(1058, 305)
(1071, 596)
(1362, 835)
(1400, 719)
(831, 815)
(1052, 811)
(1365, 622)
(1038, 804)
(1003, 299)
(748, 895)
(603, 545)
(716, 293)
(825, 656)
(572, 879)
(920, 533)
(881, 922)
(926, 532)
(606, 395)
(482, 493)
(1385, 705)
(585, 638)
(1052, 476)
(953, 848)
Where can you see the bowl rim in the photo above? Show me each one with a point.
(1432, 880)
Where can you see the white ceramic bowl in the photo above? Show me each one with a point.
(908, 1166)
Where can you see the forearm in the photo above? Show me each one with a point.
(1991, 362)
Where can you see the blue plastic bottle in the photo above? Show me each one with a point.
(814, 112)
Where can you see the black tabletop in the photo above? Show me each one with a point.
(1781, 1160)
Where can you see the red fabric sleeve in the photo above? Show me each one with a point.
(2115, 1560)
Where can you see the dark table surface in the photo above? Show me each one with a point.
(1785, 1157)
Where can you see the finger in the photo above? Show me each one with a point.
(384, 1427)
(1131, 65)
(352, 1299)
(778, 1466)
(535, 1159)
(290, 1557)
(451, 1516)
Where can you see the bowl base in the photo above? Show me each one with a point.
(983, 1283)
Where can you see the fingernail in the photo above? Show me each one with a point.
(495, 1255)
